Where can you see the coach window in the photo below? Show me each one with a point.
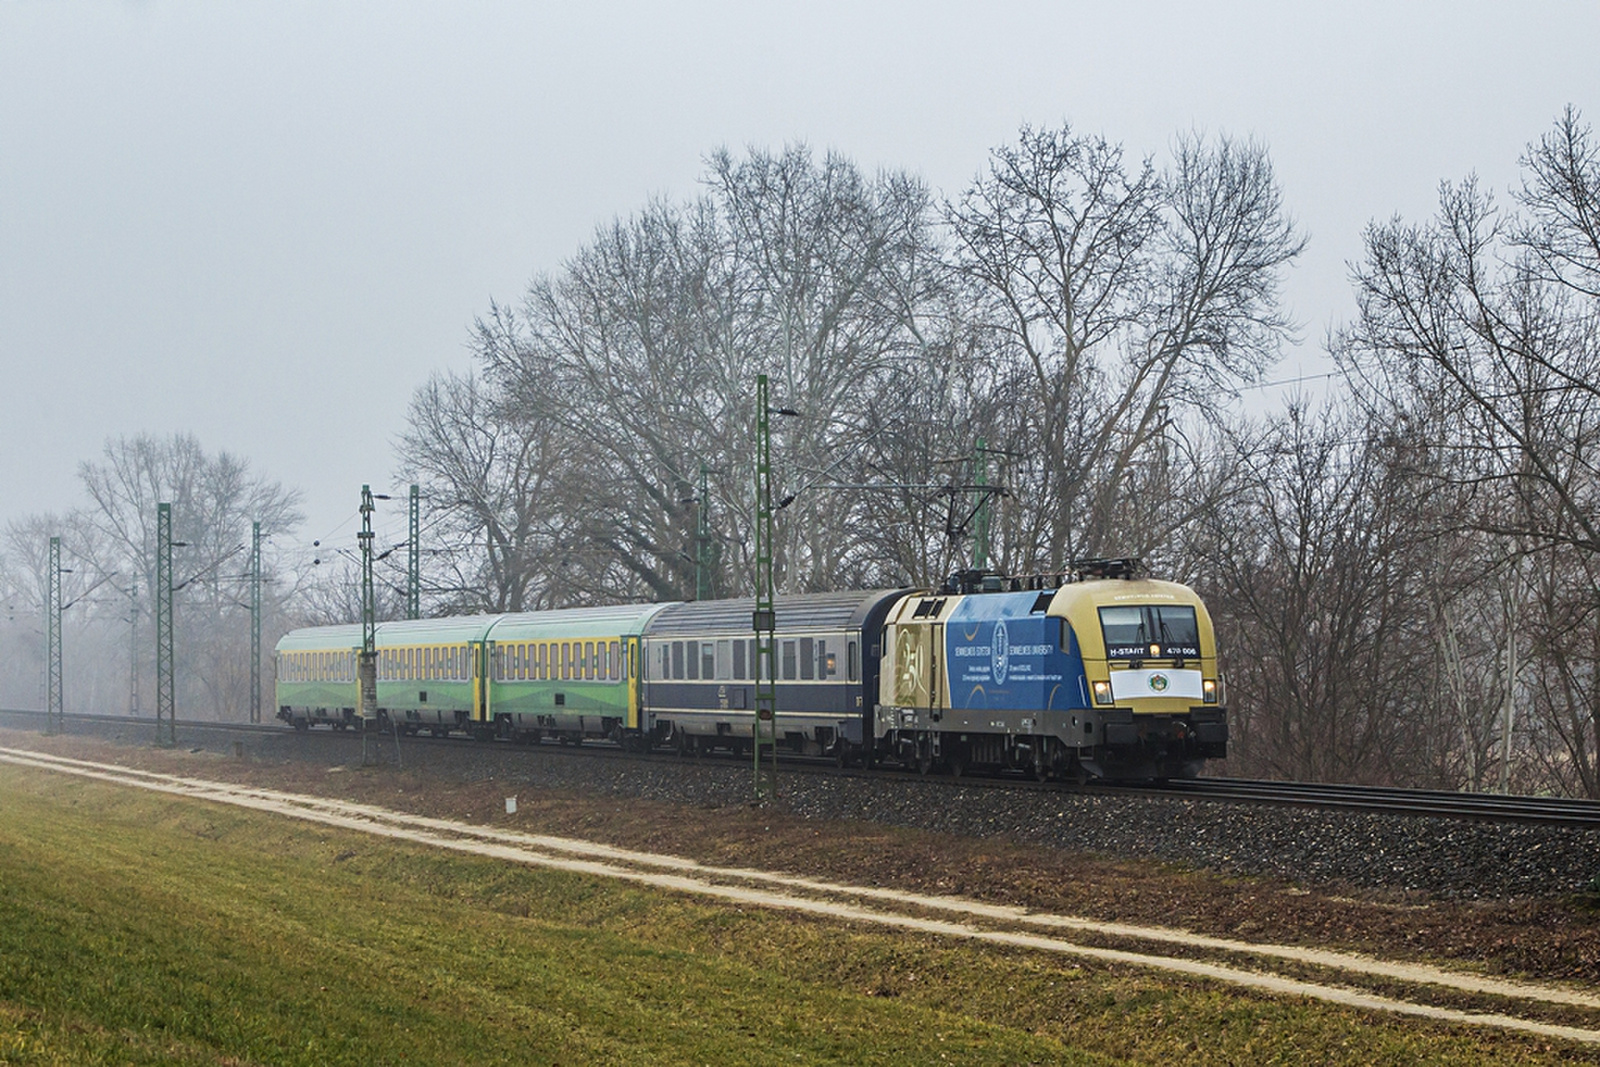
(691, 657)
(827, 661)
(677, 659)
(808, 658)
(588, 660)
(850, 660)
(738, 661)
(724, 659)
(616, 660)
(788, 661)
(708, 660)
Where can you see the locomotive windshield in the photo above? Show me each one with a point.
(1154, 630)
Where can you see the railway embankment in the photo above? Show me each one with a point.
(1509, 897)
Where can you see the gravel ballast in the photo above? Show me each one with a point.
(1449, 858)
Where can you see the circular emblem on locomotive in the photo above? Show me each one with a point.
(1158, 683)
(1000, 653)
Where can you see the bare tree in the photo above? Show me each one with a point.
(646, 349)
(1478, 339)
(1126, 298)
(491, 477)
(214, 498)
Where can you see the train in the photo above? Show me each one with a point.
(1099, 672)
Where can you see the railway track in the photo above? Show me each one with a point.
(1487, 807)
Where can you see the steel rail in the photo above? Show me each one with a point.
(1388, 800)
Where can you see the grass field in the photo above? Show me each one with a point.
(136, 928)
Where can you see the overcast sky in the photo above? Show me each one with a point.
(267, 223)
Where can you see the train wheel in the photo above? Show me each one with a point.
(957, 764)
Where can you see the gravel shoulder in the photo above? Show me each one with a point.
(1497, 897)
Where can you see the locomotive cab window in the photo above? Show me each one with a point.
(1155, 630)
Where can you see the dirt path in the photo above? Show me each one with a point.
(994, 924)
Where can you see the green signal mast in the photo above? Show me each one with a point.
(414, 555)
(764, 739)
(702, 539)
(367, 663)
(54, 717)
(166, 702)
(255, 622)
(980, 528)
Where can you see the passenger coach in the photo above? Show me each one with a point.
(700, 668)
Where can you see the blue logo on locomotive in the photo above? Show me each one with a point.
(1000, 652)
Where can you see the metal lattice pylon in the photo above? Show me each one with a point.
(255, 622)
(414, 555)
(367, 661)
(166, 690)
(54, 718)
(764, 734)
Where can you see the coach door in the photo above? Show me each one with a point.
(480, 674)
(631, 644)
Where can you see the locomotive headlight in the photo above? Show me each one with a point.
(1208, 689)
(1102, 692)
(1155, 650)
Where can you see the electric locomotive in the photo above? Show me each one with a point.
(1108, 675)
